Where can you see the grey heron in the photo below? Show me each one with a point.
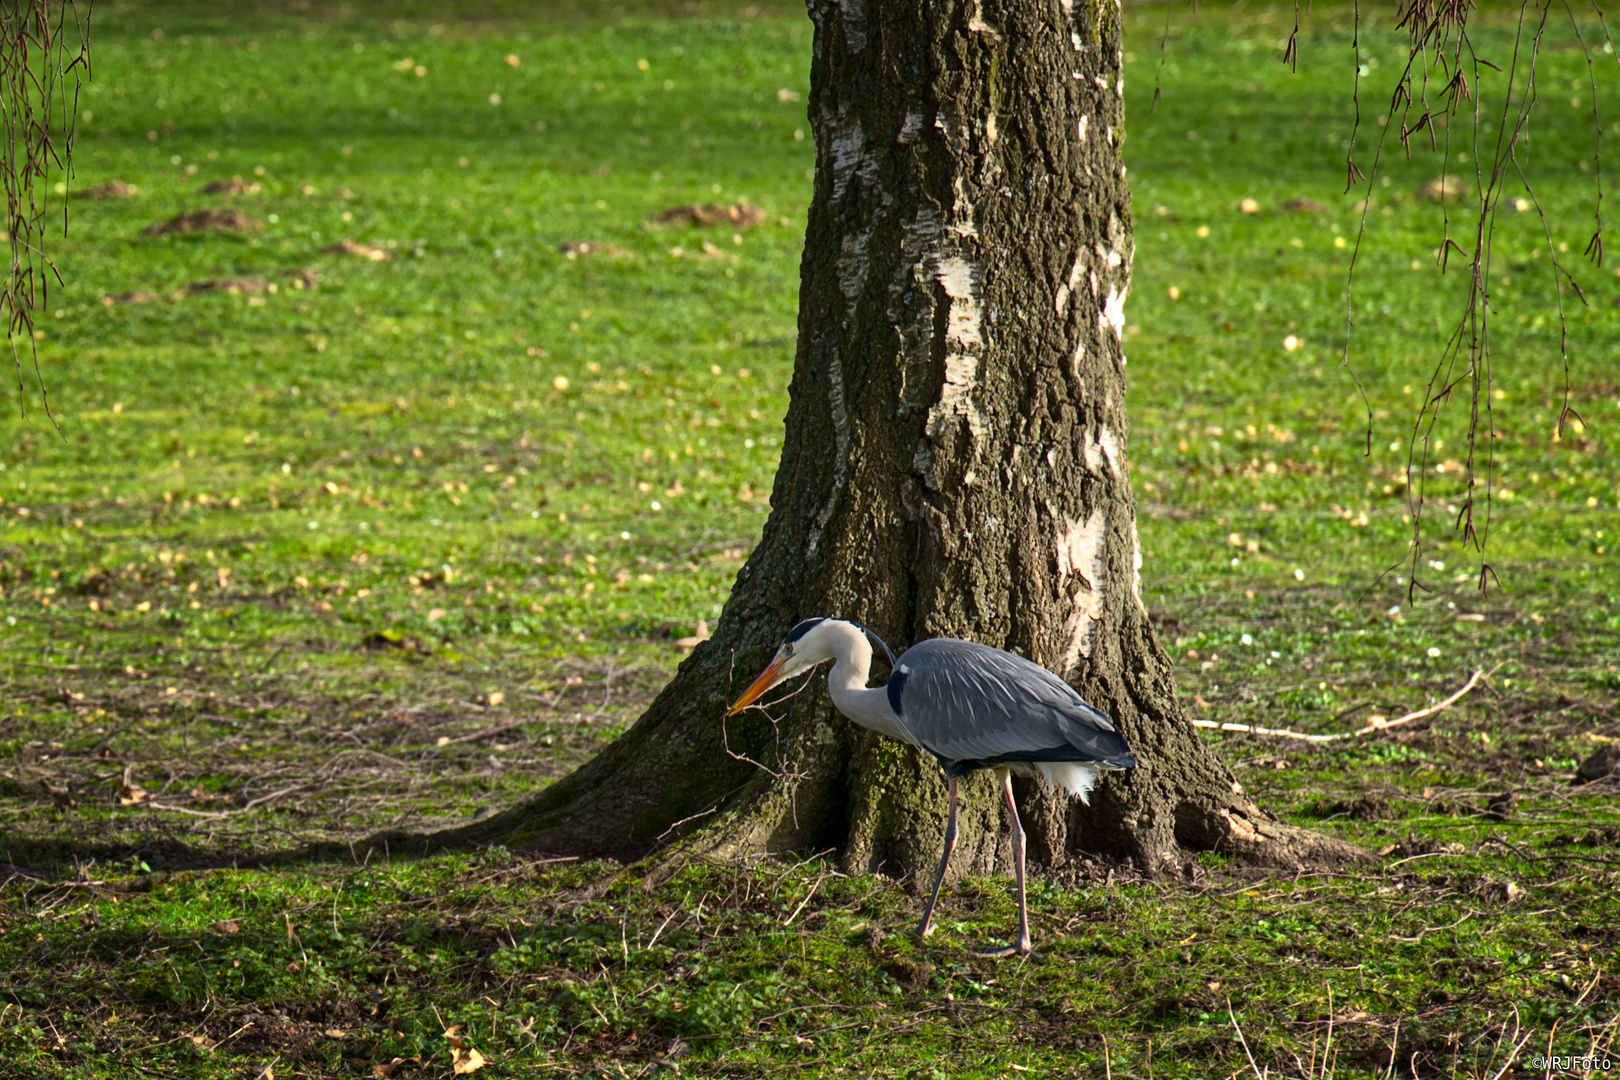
(969, 705)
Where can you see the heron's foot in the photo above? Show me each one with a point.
(925, 928)
(1021, 947)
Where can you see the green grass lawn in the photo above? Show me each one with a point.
(352, 543)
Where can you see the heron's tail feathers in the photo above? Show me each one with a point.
(1077, 778)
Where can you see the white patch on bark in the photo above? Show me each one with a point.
(1085, 122)
(1102, 83)
(854, 12)
(1136, 567)
(1113, 314)
(964, 339)
(840, 419)
(1093, 454)
(852, 263)
(1067, 290)
(1081, 555)
(1075, 360)
(990, 129)
(847, 148)
(1074, 39)
(816, 12)
(962, 211)
(910, 129)
(960, 281)
(1112, 450)
(976, 21)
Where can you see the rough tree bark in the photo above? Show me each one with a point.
(954, 464)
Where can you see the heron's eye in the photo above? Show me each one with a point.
(787, 650)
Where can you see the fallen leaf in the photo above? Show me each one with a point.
(436, 614)
(380, 1071)
(134, 795)
(252, 286)
(136, 297)
(463, 1058)
(495, 698)
(228, 926)
(575, 249)
(348, 246)
(700, 635)
(234, 186)
(1446, 187)
(737, 215)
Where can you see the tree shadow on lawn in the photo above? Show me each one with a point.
(202, 769)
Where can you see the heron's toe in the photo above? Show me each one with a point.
(1016, 948)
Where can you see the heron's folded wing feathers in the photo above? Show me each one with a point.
(968, 702)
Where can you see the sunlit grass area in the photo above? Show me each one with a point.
(394, 499)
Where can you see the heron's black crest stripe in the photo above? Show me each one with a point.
(897, 686)
(800, 630)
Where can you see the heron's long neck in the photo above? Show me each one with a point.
(846, 683)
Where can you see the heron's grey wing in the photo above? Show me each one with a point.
(964, 701)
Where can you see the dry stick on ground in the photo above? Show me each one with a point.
(1381, 725)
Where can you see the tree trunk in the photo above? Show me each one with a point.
(954, 465)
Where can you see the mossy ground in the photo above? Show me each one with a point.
(407, 542)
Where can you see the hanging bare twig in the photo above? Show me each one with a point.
(1439, 43)
(44, 60)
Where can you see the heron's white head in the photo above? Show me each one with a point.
(811, 642)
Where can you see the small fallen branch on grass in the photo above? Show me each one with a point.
(1374, 723)
(251, 804)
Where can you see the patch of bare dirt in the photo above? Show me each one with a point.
(112, 189)
(210, 220)
(736, 215)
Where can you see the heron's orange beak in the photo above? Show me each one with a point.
(767, 679)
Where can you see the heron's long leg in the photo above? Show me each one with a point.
(927, 926)
(1021, 944)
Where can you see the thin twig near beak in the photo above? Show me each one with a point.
(767, 679)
